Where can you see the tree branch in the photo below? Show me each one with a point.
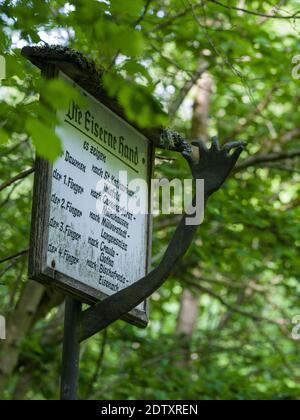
(266, 158)
(232, 308)
(252, 114)
(272, 11)
(290, 135)
(12, 257)
(251, 12)
(282, 168)
(6, 269)
(175, 105)
(13, 148)
(169, 21)
(143, 15)
(99, 364)
(7, 199)
(170, 61)
(16, 178)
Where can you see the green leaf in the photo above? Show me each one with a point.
(139, 105)
(134, 68)
(15, 65)
(131, 43)
(113, 83)
(30, 35)
(131, 8)
(47, 143)
(58, 93)
(4, 136)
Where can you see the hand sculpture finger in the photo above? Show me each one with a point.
(188, 157)
(235, 156)
(215, 146)
(201, 145)
(232, 145)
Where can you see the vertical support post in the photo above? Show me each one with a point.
(71, 349)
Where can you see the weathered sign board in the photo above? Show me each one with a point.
(84, 241)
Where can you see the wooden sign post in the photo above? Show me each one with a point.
(85, 240)
(82, 241)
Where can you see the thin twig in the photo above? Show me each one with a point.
(16, 178)
(275, 9)
(99, 363)
(169, 21)
(266, 158)
(136, 23)
(252, 114)
(259, 14)
(170, 61)
(232, 308)
(13, 148)
(143, 15)
(218, 51)
(282, 168)
(176, 103)
(14, 256)
(6, 200)
(165, 158)
(16, 285)
(6, 269)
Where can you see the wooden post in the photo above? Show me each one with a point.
(71, 350)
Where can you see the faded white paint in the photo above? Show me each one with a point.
(74, 227)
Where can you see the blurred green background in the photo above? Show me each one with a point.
(221, 327)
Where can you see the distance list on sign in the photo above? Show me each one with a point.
(93, 237)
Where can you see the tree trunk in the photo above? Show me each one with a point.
(18, 324)
(188, 312)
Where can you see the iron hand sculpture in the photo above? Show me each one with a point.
(214, 165)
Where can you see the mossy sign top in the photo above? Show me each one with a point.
(89, 236)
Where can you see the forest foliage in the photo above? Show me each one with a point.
(243, 267)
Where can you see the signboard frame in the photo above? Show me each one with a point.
(38, 269)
